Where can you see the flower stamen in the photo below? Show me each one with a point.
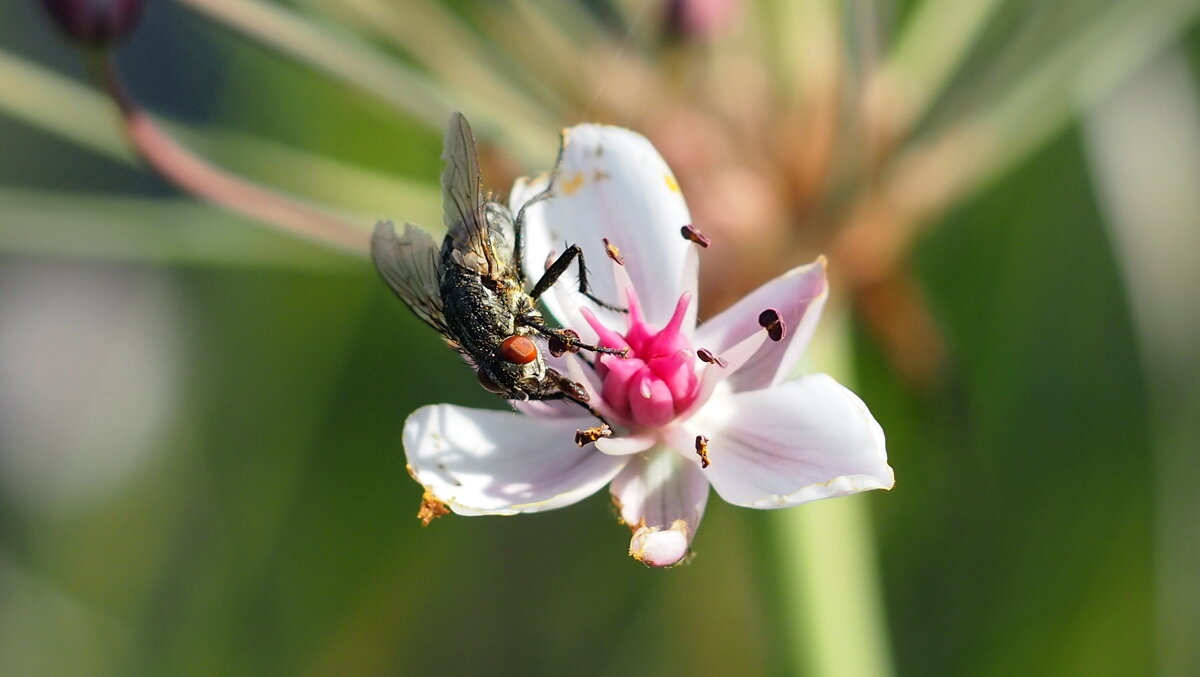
(707, 357)
(693, 234)
(702, 450)
(657, 379)
(613, 252)
(772, 321)
(590, 435)
(431, 508)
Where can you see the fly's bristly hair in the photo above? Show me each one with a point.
(472, 290)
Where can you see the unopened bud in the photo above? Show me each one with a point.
(699, 19)
(95, 22)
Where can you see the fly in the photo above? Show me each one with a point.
(473, 291)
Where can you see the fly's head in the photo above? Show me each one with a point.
(515, 369)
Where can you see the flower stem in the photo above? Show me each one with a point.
(197, 177)
(833, 616)
(832, 603)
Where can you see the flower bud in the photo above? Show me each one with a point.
(699, 19)
(95, 22)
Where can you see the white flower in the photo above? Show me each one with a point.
(692, 406)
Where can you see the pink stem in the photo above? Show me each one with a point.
(194, 175)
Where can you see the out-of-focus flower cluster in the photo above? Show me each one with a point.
(795, 128)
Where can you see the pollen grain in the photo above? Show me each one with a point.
(572, 184)
(431, 508)
(702, 450)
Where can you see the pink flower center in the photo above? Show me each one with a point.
(656, 380)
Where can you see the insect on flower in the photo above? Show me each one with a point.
(473, 291)
(690, 405)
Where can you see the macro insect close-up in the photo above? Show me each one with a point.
(809, 338)
(473, 290)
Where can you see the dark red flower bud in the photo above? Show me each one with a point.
(699, 19)
(95, 22)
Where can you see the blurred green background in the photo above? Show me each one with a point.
(200, 461)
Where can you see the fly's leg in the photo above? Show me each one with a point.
(564, 388)
(563, 262)
(590, 409)
(559, 267)
(567, 338)
(519, 223)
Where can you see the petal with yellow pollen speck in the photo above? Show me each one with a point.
(662, 497)
(660, 547)
(481, 462)
(431, 508)
(572, 184)
(634, 208)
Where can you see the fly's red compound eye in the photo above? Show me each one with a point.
(518, 350)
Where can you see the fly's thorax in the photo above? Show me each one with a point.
(522, 304)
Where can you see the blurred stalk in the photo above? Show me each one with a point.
(336, 55)
(942, 166)
(441, 41)
(57, 105)
(348, 191)
(197, 177)
(155, 230)
(1144, 144)
(547, 40)
(1116, 43)
(75, 113)
(805, 47)
(833, 604)
(927, 54)
(378, 74)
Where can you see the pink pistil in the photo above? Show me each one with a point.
(656, 380)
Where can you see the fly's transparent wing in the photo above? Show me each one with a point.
(462, 200)
(411, 265)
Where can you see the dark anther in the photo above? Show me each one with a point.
(770, 320)
(693, 234)
(702, 450)
(564, 341)
(706, 355)
(590, 435)
(613, 252)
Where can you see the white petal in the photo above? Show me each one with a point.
(482, 462)
(800, 441)
(550, 409)
(714, 376)
(612, 184)
(622, 445)
(799, 296)
(661, 497)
